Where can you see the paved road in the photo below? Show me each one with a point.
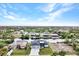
(55, 41)
(34, 50)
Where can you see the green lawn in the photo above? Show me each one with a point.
(5, 42)
(46, 51)
(21, 52)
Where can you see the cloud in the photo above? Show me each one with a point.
(10, 17)
(48, 8)
(57, 13)
(15, 17)
(67, 4)
(49, 20)
(53, 18)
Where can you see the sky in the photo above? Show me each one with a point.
(39, 14)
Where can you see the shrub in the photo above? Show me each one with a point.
(3, 51)
(54, 54)
(74, 46)
(77, 50)
(62, 53)
(77, 53)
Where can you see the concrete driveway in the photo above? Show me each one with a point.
(35, 50)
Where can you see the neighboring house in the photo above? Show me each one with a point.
(44, 35)
(21, 43)
(50, 36)
(34, 35)
(54, 36)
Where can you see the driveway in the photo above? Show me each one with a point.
(35, 50)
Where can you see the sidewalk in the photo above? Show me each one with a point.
(10, 52)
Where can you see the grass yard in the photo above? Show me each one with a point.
(21, 52)
(45, 51)
(4, 43)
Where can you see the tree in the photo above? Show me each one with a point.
(63, 35)
(9, 41)
(74, 41)
(24, 36)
